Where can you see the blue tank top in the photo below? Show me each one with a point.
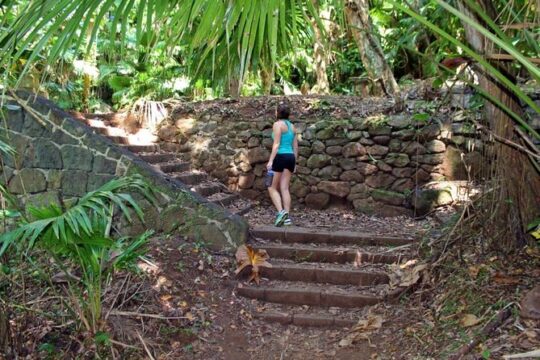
(286, 143)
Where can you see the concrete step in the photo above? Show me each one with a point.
(142, 148)
(102, 129)
(300, 294)
(293, 234)
(323, 274)
(206, 189)
(223, 199)
(191, 178)
(123, 140)
(174, 167)
(325, 254)
(155, 158)
(287, 318)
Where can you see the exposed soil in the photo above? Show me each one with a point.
(313, 106)
(344, 218)
(185, 307)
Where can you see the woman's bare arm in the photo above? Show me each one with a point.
(295, 144)
(276, 129)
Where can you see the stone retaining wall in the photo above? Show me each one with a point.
(371, 162)
(59, 159)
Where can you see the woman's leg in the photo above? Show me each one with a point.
(274, 192)
(284, 188)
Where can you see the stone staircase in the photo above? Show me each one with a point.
(313, 282)
(174, 165)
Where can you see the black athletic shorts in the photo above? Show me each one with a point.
(284, 161)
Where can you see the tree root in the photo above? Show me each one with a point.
(486, 331)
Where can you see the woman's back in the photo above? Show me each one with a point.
(287, 138)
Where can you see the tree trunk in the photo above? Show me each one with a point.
(514, 203)
(357, 12)
(5, 335)
(320, 53)
(234, 87)
(267, 78)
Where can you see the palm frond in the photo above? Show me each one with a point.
(497, 74)
(237, 32)
(89, 215)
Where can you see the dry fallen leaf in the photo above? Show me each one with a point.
(404, 276)
(362, 330)
(247, 256)
(468, 320)
(503, 279)
(474, 270)
(166, 297)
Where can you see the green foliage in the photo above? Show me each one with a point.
(79, 241)
(492, 70)
(154, 49)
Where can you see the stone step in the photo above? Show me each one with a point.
(293, 234)
(207, 189)
(300, 294)
(142, 148)
(191, 178)
(300, 252)
(286, 318)
(108, 130)
(174, 167)
(124, 140)
(327, 274)
(223, 199)
(155, 158)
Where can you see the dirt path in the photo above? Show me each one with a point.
(192, 283)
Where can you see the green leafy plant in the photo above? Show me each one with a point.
(79, 241)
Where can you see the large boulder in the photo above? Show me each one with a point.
(377, 150)
(436, 146)
(380, 180)
(318, 161)
(337, 188)
(168, 133)
(438, 193)
(388, 197)
(352, 175)
(397, 159)
(366, 169)
(317, 201)
(353, 150)
(530, 304)
(246, 181)
(258, 155)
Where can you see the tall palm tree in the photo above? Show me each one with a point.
(225, 38)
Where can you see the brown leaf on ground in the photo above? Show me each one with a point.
(468, 320)
(406, 274)
(247, 256)
(362, 330)
(503, 279)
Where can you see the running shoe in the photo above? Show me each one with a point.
(280, 218)
(288, 221)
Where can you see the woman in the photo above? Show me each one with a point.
(282, 162)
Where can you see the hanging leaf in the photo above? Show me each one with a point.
(247, 256)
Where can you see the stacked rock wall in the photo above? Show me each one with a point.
(372, 163)
(60, 159)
